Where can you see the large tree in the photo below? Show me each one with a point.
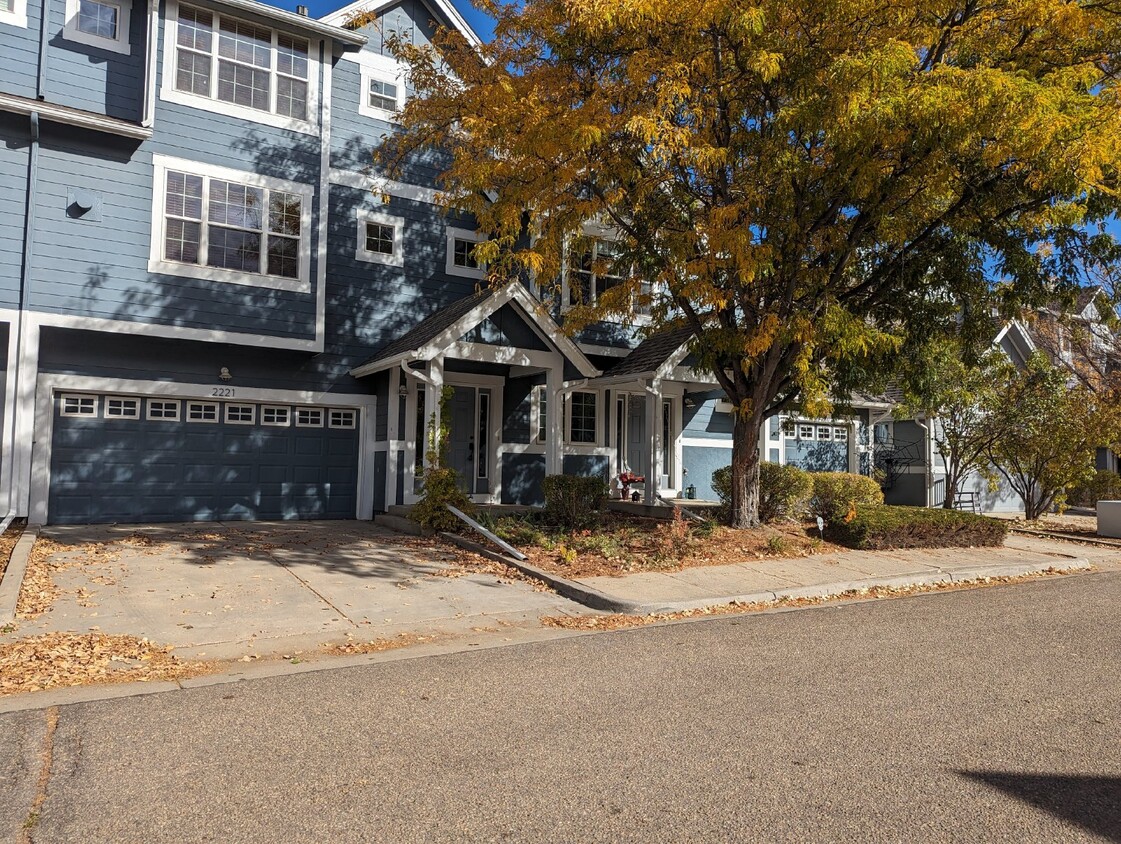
(804, 182)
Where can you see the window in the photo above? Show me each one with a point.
(309, 417)
(97, 23)
(461, 253)
(202, 411)
(542, 431)
(840, 434)
(79, 405)
(223, 225)
(383, 87)
(168, 411)
(382, 95)
(592, 273)
(342, 418)
(582, 418)
(241, 414)
(788, 429)
(117, 408)
(881, 433)
(379, 238)
(279, 417)
(667, 438)
(805, 432)
(13, 12)
(824, 432)
(238, 68)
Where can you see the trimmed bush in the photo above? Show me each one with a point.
(572, 501)
(1104, 486)
(837, 494)
(441, 488)
(783, 490)
(883, 527)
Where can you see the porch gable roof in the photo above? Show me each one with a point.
(654, 357)
(441, 329)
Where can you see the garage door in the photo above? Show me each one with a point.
(132, 459)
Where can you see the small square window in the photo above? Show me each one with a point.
(202, 411)
(383, 95)
(463, 254)
(805, 432)
(379, 238)
(103, 24)
(840, 434)
(309, 417)
(461, 257)
(79, 405)
(168, 411)
(100, 19)
(118, 408)
(789, 429)
(342, 418)
(241, 414)
(824, 432)
(279, 417)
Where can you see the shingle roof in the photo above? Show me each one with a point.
(431, 326)
(651, 353)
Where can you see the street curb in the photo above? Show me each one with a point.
(13, 575)
(571, 589)
(1104, 542)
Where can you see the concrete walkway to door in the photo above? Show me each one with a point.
(222, 590)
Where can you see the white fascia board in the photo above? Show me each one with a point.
(74, 117)
(339, 17)
(320, 26)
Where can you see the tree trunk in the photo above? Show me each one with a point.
(951, 492)
(745, 474)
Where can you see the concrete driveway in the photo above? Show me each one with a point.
(221, 590)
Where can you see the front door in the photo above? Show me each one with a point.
(637, 441)
(461, 439)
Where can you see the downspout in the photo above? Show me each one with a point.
(24, 288)
(928, 457)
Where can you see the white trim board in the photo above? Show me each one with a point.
(16, 16)
(382, 185)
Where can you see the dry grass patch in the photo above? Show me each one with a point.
(8, 540)
(621, 621)
(373, 646)
(57, 660)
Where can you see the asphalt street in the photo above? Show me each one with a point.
(986, 715)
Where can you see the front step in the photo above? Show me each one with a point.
(400, 524)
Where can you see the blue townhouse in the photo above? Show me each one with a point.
(212, 307)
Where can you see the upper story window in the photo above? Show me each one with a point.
(595, 270)
(238, 68)
(380, 238)
(222, 225)
(13, 12)
(461, 258)
(99, 23)
(382, 92)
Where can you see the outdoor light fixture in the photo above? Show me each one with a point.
(689, 402)
(224, 374)
(403, 390)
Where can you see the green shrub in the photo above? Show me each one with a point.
(837, 494)
(572, 501)
(441, 488)
(783, 490)
(882, 527)
(1104, 486)
(519, 531)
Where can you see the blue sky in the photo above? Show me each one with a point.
(481, 23)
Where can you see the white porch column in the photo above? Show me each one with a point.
(654, 433)
(432, 389)
(554, 435)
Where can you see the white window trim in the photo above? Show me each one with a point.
(134, 415)
(168, 92)
(120, 44)
(824, 433)
(353, 418)
(801, 435)
(252, 420)
(299, 424)
(841, 430)
(17, 16)
(62, 404)
(287, 423)
(397, 259)
(178, 411)
(212, 404)
(383, 69)
(158, 264)
(568, 418)
(596, 233)
(454, 234)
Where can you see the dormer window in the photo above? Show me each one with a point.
(99, 23)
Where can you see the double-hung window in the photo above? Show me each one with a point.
(228, 226)
(241, 68)
(96, 23)
(582, 418)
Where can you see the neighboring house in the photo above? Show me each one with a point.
(210, 309)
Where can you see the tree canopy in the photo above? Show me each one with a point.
(812, 187)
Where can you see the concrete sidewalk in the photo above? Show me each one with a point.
(831, 574)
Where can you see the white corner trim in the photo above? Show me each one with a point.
(397, 259)
(454, 234)
(328, 48)
(169, 93)
(161, 164)
(118, 44)
(16, 16)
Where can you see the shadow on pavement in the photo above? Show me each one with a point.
(1092, 802)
